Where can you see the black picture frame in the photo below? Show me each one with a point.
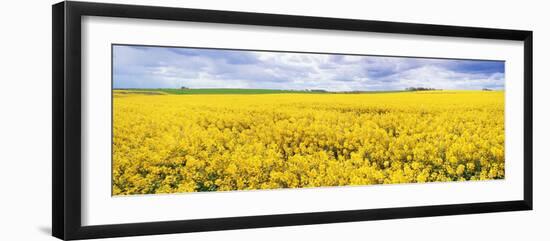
(66, 76)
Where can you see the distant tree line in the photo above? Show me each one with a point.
(419, 89)
(315, 90)
(428, 89)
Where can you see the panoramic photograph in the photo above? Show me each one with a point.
(205, 120)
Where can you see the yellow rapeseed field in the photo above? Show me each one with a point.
(188, 143)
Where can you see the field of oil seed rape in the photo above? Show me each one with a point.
(189, 143)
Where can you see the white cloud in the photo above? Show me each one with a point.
(156, 67)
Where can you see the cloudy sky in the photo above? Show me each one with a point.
(163, 67)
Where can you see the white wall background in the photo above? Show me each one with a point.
(25, 119)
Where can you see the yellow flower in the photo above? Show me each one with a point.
(185, 143)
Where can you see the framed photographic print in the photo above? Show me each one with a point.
(170, 120)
